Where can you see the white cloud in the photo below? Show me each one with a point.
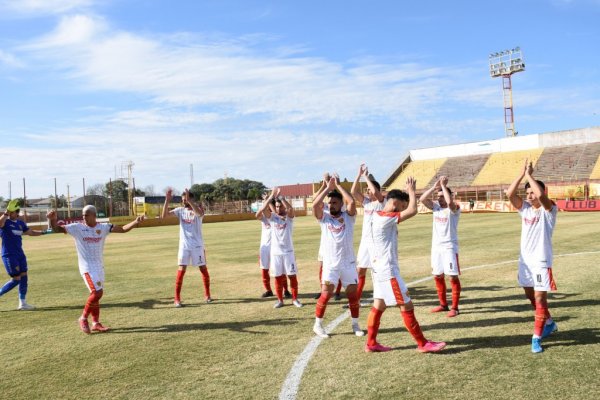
(9, 60)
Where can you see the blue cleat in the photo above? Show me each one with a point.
(536, 345)
(549, 330)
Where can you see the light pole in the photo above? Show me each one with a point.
(504, 64)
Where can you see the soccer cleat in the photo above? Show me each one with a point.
(297, 303)
(268, 293)
(431, 347)
(376, 348)
(365, 303)
(439, 309)
(357, 331)
(549, 329)
(279, 304)
(338, 296)
(25, 307)
(209, 299)
(178, 304)
(84, 325)
(320, 331)
(452, 313)
(536, 345)
(287, 294)
(98, 327)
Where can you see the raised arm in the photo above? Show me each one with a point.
(411, 210)
(356, 184)
(537, 189)
(168, 197)
(53, 218)
(31, 232)
(126, 228)
(3, 218)
(511, 192)
(266, 209)
(447, 196)
(198, 209)
(376, 192)
(318, 200)
(425, 198)
(348, 199)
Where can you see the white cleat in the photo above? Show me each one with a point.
(25, 307)
(357, 331)
(178, 304)
(297, 303)
(320, 331)
(279, 304)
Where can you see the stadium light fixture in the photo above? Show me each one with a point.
(504, 64)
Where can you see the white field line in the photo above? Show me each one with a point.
(289, 390)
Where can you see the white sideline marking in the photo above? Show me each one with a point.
(289, 390)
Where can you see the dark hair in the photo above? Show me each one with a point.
(377, 185)
(449, 190)
(190, 195)
(527, 185)
(273, 201)
(397, 194)
(335, 194)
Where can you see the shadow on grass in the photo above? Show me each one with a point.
(240, 327)
(576, 337)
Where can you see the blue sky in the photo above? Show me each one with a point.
(275, 91)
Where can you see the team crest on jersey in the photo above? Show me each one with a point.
(98, 283)
(98, 231)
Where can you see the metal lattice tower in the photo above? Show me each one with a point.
(504, 64)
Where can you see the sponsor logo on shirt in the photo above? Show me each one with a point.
(92, 239)
(531, 221)
(335, 229)
(17, 232)
(281, 226)
(441, 220)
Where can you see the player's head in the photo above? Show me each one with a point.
(280, 207)
(370, 194)
(185, 199)
(398, 198)
(336, 202)
(442, 199)
(531, 197)
(89, 215)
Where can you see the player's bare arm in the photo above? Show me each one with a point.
(126, 228)
(425, 198)
(288, 207)
(348, 199)
(198, 209)
(318, 201)
(411, 210)
(447, 196)
(53, 218)
(376, 192)
(537, 189)
(168, 197)
(511, 192)
(356, 193)
(3, 218)
(266, 209)
(31, 232)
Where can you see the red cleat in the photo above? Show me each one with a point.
(84, 326)
(452, 313)
(376, 348)
(98, 327)
(431, 347)
(440, 309)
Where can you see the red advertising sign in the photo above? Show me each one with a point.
(578, 205)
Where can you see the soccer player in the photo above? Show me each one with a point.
(388, 287)
(372, 202)
(339, 262)
(191, 244)
(444, 243)
(11, 230)
(264, 254)
(90, 236)
(538, 218)
(282, 257)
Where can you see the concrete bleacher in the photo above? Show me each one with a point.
(567, 163)
(502, 168)
(461, 171)
(423, 171)
(595, 174)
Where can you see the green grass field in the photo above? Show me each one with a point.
(240, 347)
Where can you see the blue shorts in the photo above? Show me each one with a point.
(15, 264)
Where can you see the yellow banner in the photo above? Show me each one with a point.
(567, 192)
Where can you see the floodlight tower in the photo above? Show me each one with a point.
(504, 64)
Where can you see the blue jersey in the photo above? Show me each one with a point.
(11, 233)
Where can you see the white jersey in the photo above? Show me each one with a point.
(265, 233)
(190, 228)
(385, 245)
(537, 227)
(445, 228)
(281, 234)
(369, 207)
(337, 245)
(89, 242)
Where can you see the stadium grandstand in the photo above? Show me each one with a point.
(567, 161)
